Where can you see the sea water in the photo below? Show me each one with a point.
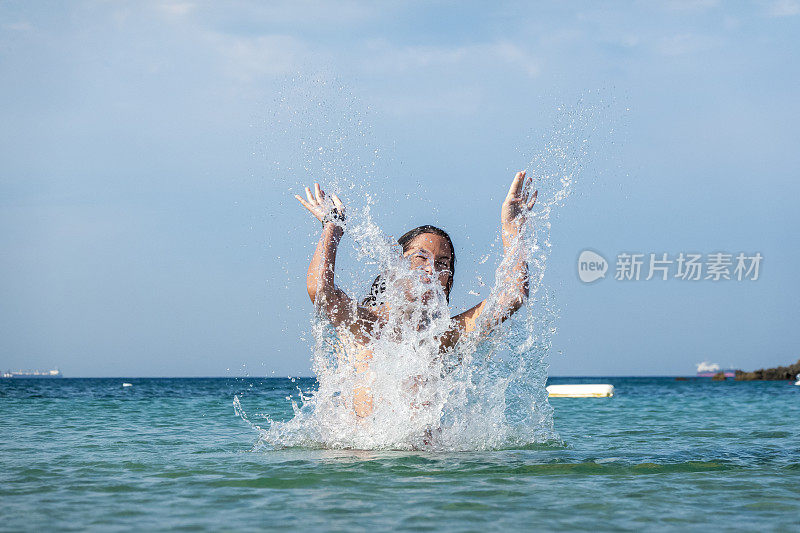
(488, 451)
(88, 454)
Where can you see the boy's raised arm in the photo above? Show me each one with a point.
(514, 284)
(320, 280)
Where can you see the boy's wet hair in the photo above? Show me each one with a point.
(379, 285)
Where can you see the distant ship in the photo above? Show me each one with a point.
(709, 370)
(33, 374)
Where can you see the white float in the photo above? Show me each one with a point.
(127, 385)
(581, 391)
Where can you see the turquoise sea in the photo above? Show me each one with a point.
(88, 454)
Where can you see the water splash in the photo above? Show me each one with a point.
(486, 393)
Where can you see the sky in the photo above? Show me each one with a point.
(148, 163)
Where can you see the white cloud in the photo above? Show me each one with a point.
(324, 11)
(386, 57)
(175, 9)
(444, 79)
(731, 23)
(684, 44)
(691, 5)
(458, 101)
(514, 55)
(239, 57)
(304, 14)
(248, 58)
(784, 8)
(18, 26)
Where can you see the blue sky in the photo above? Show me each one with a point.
(146, 229)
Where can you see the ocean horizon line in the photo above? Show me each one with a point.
(560, 376)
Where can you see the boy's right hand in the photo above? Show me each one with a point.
(321, 205)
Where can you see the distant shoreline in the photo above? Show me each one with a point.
(778, 373)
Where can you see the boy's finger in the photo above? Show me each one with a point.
(516, 185)
(533, 199)
(305, 204)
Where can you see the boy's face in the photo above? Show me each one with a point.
(431, 254)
